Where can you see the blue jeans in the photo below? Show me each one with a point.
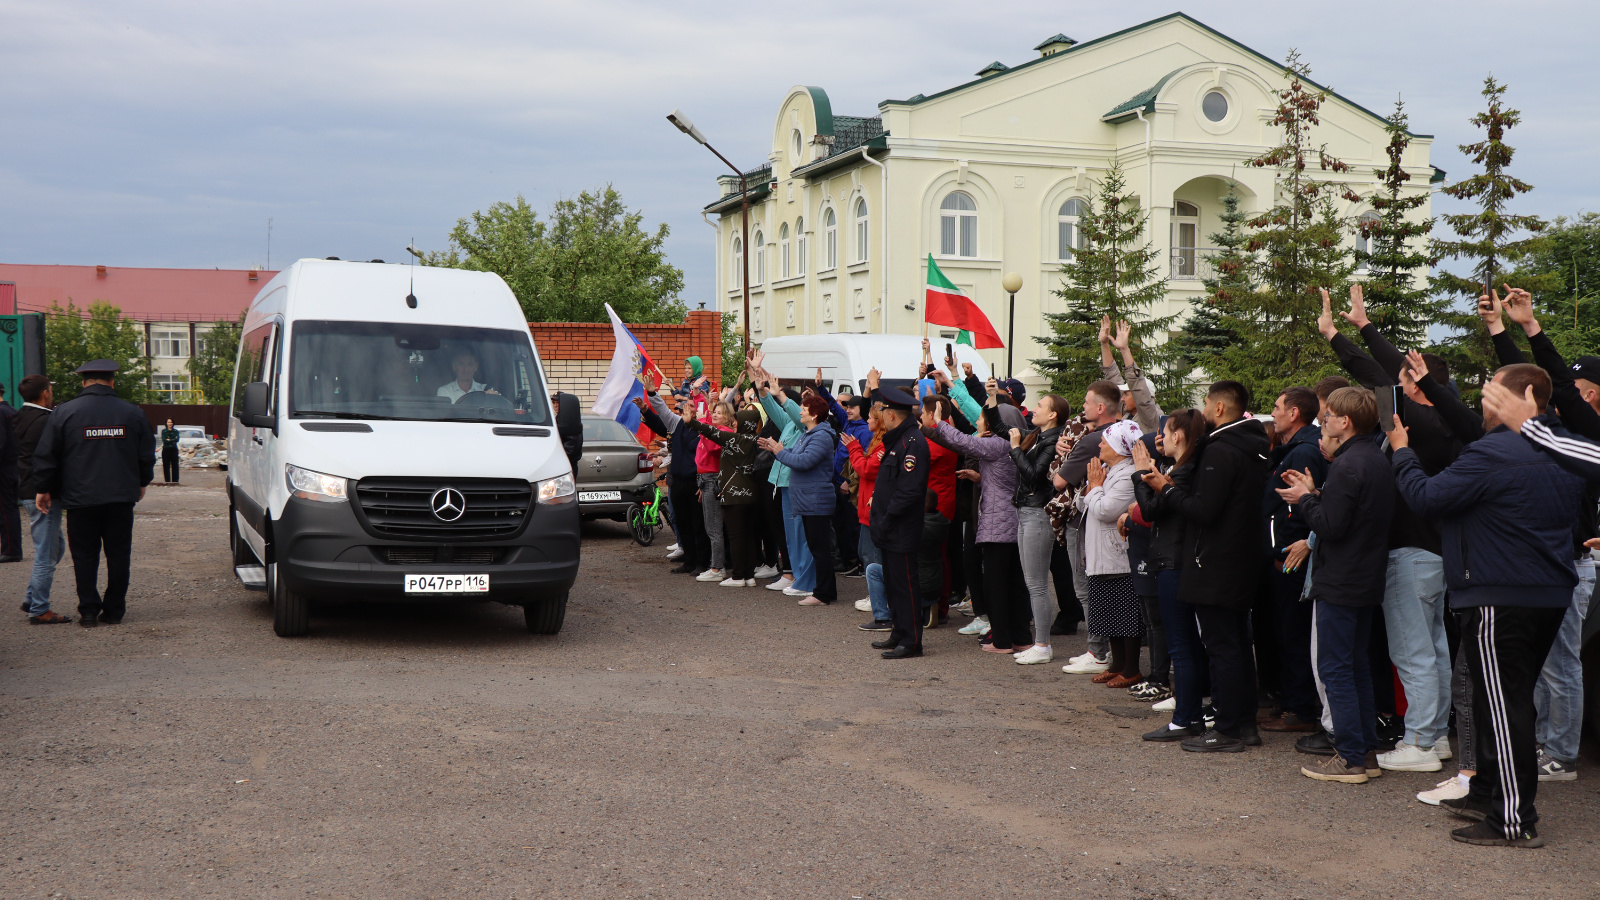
(1559, 694)
(1190, 667)
(1413, 613)
(873, 560)
(48, 546)
(1339, 637)
(800, 560)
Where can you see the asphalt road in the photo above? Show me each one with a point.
(677, 739)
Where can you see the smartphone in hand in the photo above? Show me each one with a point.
(1389, 406)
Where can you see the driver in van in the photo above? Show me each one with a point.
(465, 362)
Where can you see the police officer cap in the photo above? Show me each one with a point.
(97, 367)
(895, 398)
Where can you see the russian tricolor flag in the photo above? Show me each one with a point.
(628, 361)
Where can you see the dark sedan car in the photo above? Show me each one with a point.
(614, 470)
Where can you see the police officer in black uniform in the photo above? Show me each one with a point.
(95, 457)
(897, 506)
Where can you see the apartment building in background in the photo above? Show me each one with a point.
(174, 307)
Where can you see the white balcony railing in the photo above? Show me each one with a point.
(1192, 263)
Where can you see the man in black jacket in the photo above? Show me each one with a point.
(1294, 420)
(1222, 562)
(1350, 517)
(898, 498)
(44, 527)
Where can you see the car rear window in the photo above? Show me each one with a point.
(605, 430)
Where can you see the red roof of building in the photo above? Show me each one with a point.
(153, 295)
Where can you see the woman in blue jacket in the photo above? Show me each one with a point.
(811, 491)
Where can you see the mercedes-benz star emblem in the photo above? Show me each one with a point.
(447, 504)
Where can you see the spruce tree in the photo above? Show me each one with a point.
(1205, 334)
(1488, 240)
(1400, 303)
(1118, 274)
(1296, 247)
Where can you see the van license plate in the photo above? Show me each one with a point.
(447, 584)
(593, 496)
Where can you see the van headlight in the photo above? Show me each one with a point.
(309, 485)
(560, 489)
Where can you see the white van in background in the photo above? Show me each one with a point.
(845, 358)
(361, 468)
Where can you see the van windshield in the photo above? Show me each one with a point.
(388, 370)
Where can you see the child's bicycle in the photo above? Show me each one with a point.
(644, 519)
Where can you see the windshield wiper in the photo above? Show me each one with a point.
(322, 413)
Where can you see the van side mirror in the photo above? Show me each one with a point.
(254, 412)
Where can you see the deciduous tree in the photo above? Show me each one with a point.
(73, 337)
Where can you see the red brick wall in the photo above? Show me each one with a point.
(668, 345)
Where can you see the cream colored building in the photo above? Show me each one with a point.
(987, 176)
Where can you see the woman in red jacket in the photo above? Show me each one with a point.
(865, 462)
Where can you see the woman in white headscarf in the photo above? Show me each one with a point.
(1113, 605)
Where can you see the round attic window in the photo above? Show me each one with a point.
(1215, 106)
(796, 149)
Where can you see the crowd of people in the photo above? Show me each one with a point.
(1372, 568)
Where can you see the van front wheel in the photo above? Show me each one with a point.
(291, 610)
(544, 616)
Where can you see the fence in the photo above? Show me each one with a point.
(214, 419)
(576, 355)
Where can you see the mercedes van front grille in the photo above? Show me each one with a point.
(448, 509)
(427, 556)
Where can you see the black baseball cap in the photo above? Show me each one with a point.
(1587, 368)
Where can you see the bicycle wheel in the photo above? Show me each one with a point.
(639, 523)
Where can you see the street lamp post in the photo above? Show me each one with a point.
(677, 118)
(1011, 283)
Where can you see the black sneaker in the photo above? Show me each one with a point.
(1213, 741)
(1484, 836)
(1208, 714)
(88, 622)
(1391, 729)
(1165, 734)
(876, 625)
(109, 620)
(1467, 808)
(1250, 734)
(859, 571)
(683, 569)
(1317, 743)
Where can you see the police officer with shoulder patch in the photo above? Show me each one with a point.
(897, 507)
(95, 457)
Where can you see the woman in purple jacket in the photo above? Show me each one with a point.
(1009, 612)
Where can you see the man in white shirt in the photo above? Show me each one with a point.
(465, 362)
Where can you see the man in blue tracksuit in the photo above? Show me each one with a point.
(1506, 512)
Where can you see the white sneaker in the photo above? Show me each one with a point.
(793, 591)
(864, 604)
(749, 582)
(1449, 789)
(675, 553)
(1441, 748)
(1409, 758)
(1167, 705)
(711, 575)
(979, 626)
(1082, 657)
(964, 607)
(732, 582)
(781, 584)
(673, 549)
(1090, 665)
(1038, 653)
(766, 572)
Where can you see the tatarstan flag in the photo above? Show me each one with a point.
(947, 305)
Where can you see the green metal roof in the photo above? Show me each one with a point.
(759, 182)
(996, 66)
(1145, 100)
(1076, 48)
(1058, 39)
(1438, 175)
(823, 109)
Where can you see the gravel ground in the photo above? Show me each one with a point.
(677, 739)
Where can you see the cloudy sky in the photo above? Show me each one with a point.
(145, 133)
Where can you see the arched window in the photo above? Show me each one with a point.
(861, 230)
(1364, 226)
(1185, 239)
(1069, 236)
(783, 249)
(738, 263)
(758, 258)
(958, 225)
(802, 245)
(830, 239)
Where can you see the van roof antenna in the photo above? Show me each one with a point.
(411, 292)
